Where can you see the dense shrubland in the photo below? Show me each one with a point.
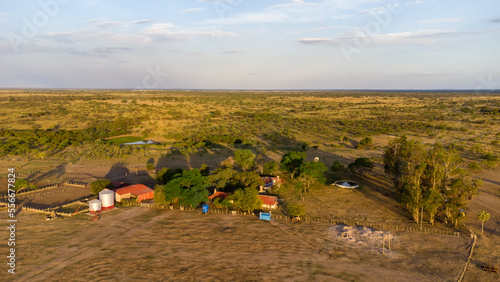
(56, 123)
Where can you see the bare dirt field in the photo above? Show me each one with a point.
(145, 244)
(49, 198)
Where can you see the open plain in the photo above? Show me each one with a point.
(79, 136)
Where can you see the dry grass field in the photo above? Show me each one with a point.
(132, 244)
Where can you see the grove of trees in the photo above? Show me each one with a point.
(429, 182)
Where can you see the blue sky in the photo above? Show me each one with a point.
(250, 44)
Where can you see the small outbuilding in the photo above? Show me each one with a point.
(269, 202)
(140, 191)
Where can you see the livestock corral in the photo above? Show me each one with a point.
(64, 198)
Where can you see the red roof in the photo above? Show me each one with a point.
(136, 189)
(268, 200)
(221, 195)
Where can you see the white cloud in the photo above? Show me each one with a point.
(295, 4)
(274, 16)
(97, 37)
(103, 23)
(440, 20)
(311, 40)
(420, 37)
(190, 10)
(342, 17)
(417, 2)
(172, 31)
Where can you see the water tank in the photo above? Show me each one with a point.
(107, 198)
(94, 206)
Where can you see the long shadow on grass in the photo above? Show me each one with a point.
(378, 193)
(119, 172)
(56, 173)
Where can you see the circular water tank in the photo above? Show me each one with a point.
(94, 206)
(107, 198)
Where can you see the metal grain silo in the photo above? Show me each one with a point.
(107, 198)
(95, 206)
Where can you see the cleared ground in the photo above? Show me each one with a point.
(145, 244)
(49, 198)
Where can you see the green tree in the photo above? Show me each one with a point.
(292, 162)
(42, 155)
(361, 165)
(296, 210)
(166, 174)
(246, 199)
(338, 167)
(246, 179)
(224, 203)
(366, 142)
(187, 189)
(99, 185)
(271, 168)
(150, 166)
(483, 216)
(159, 195)
(433, 200)
(21, 184)
(221, 177)
(312, 172)
(401, 158)
(404, 163)
(245, 159)
(205, 170)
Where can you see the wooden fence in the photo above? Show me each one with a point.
(376, 225)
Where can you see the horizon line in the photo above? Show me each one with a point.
(257, 89)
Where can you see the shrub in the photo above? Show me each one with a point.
(365, 143)
(296, 210)
(474, 166)
(338, 167)
(361, 165)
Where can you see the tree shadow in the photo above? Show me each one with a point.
(120, 172)
(491, 181)
(379, 193)
(117, 172)
(491, 231)
(56, 172)
(151, 161)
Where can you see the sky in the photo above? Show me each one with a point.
(250, 44)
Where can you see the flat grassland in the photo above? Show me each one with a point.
(131, 244)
